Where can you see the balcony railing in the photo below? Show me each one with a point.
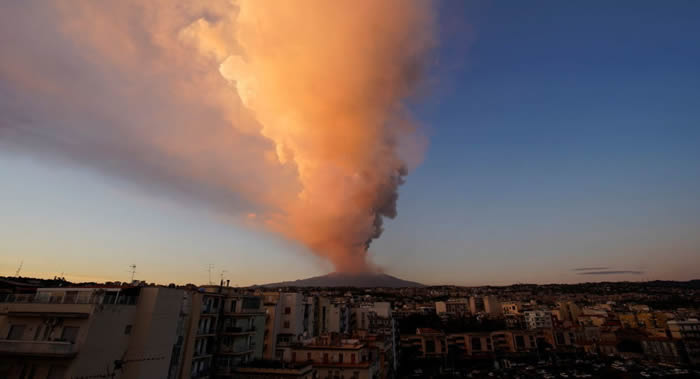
(236, 351)
(38, 348)
(238, 330)
(90, 298)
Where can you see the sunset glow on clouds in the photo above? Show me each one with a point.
(292, 112)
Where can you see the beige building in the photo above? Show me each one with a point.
(275, 370)
(511, 308)
(200, 339)
(538, 319)
(331, 317)
(86, 332)
(688, 333)
(241, 338)
(334, 358)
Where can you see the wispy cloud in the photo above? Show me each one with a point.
(612, 272)
(590, 268)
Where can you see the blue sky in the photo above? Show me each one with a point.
(562, 135)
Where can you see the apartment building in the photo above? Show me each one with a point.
(275, 370)
(335, 358)
(511, 308)
(485, 304)
(426, 343)
(86, 332)
(201, 337)
(290, 317)
(331, 316)
(429, 343)
(452, 307)
(538, 319)
(688, 333)
(241, 338)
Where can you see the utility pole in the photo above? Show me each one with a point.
(21, 263)
(133, 271)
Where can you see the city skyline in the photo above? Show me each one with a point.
(561, 147)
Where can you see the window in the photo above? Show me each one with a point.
(233, 305)
(476, 343)
(70, 333)
(37, 332)
(340, 357)
(560, 338)
(16, 332)
(28, 372)
(286, 324)
(520, 342)
(127, 330)
(287, 310)
(430, 346)
(308, 356)
(325, 357)
(251, 303)
(294, 356)
(57, 372)
(352, 358)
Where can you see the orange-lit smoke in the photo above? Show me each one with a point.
(325, 82)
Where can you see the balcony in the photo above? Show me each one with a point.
(55, 349)
(78, 306)
(234, 330)
(230, 350)
(206, 332)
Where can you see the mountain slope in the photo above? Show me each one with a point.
(336, 279)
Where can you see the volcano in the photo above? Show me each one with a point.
(338, 279)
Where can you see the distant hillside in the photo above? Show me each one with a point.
(348, 280)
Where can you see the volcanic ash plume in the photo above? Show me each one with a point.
(326, 79)
(325, 82)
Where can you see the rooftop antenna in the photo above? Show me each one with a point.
(222, 275)
(133, 271)
(211, 267)
(21, 263)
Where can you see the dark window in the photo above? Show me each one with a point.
(233, 305)
(294, 356)
(325, 357)
(251, 303)
(286, 324)
(70, 333)
(520, 342)
(57, 372)
(476, 344)
(430, 346)
(37, 333)
(340, 357)
(352, 358)
(287, 310)
(127, 330)
(16, 332)
(28, 372)
(308, 356)
(560, 338)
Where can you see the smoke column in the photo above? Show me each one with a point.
(290, 113)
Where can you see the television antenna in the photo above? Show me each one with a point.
(133, 271)
(21, 263)
(210, 268)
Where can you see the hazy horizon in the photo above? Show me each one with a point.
(544, 142)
